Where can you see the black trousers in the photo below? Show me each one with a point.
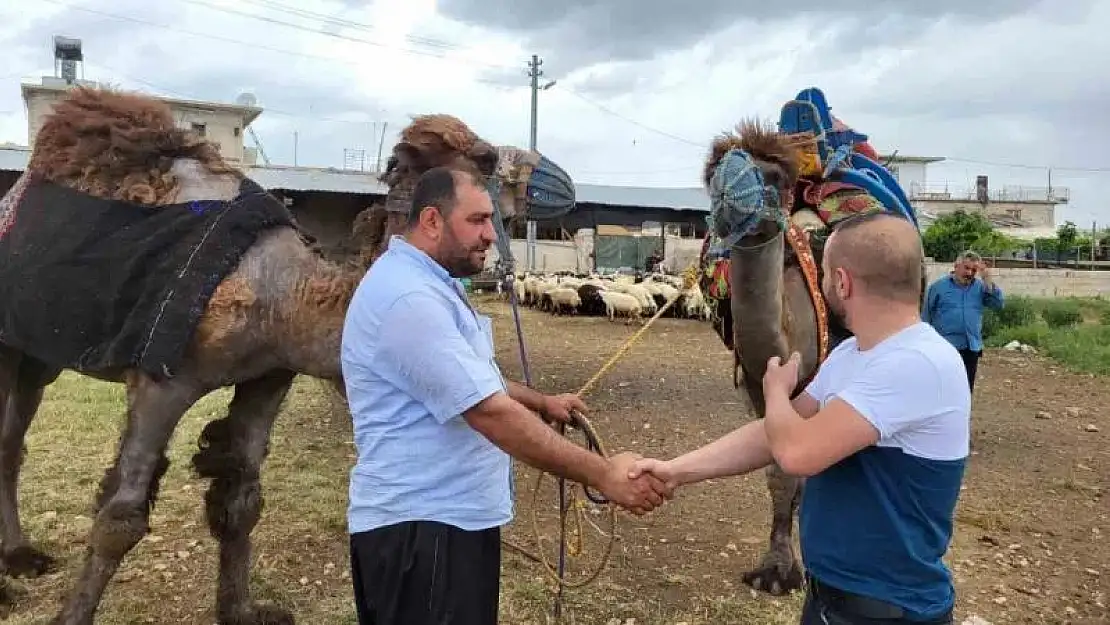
(426, 573)
(828, 606)
(971, 363)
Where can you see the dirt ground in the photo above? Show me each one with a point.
(1032, 524)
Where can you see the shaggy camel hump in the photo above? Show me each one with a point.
(103, 266)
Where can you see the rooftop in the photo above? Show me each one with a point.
(290, 178)
(52, 84)
(904, 158)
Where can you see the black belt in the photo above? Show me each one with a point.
(853, 604)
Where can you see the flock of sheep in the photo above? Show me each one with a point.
(609, 295)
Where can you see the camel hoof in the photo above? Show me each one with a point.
(26, 561)
(261, 614)
(776, 580)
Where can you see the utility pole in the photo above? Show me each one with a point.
(534, 72)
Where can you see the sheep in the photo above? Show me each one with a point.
(564, 299)
(621, 303)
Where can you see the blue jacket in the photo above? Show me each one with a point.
(956, 311)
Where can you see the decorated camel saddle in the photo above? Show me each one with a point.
(838, 175)
(524, 184)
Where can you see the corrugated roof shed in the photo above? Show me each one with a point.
(305, 179)
(340, 181)
(681, 198)
(14, 159)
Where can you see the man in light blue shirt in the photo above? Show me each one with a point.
(435, 423)
(954, 307)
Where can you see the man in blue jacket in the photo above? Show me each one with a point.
(954, 306)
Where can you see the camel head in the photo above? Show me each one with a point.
(750, 174)
(518, 178)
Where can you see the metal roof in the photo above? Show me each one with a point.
(366, 183)
(306, 179)
(14, 158)
(675, 198)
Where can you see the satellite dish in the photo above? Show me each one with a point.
(246, 99)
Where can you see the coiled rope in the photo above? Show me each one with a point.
(595, 443)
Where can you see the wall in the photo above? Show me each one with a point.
(909, 175)
(222, 127)
(1041, 282)
(566, 256)
(1038, 214)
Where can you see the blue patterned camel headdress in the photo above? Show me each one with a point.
(739, 198)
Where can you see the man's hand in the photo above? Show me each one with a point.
(558, 408)
(638, 495)
(984, 270)
(781, 378)
(663, 470)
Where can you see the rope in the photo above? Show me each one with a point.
(594, 443)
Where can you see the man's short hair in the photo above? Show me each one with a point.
(970, 256)
(883, 253)
(438, 187)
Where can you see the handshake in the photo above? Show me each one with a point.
(638, 484)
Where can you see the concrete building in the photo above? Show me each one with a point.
(1019, 211)
(223, 124)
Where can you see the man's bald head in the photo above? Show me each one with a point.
(882, 254)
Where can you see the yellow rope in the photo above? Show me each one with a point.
(689, 279)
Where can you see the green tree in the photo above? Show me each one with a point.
(955, 232)
(1066, 237)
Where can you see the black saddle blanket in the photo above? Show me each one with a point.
(92, 284)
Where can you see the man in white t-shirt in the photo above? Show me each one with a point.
(881, 435)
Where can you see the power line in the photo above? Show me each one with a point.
(258, 46)
(609, 111)
(1096, 170)
(178, 94)
(317, 31)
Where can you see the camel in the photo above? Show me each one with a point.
(764, 305)
(276, 312)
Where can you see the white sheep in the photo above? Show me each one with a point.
(564, 299)
(622, 304)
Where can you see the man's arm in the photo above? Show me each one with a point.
(426, 355)
(507, 423)
(805, 447)
(531, 398)
(741, 451)
(929, 305)
(992, 293)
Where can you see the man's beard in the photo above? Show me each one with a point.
(458, 262)
(836, 311)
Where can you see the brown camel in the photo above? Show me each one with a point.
(769, 308)
(277, 313)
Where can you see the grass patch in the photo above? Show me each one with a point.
(1074, 331)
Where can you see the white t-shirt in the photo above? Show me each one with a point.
(912, 387)
(878, 523)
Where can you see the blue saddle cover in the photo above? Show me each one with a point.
(809, 112)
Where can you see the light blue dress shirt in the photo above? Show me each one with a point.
(415, 356)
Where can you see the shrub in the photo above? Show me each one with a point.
(1018, 311)
(1104, 319)
(1062, 313)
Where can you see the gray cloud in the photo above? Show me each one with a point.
(577, 33)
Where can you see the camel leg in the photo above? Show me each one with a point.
(128, 490)
(22, 381)
(232, 452)
(779, 572)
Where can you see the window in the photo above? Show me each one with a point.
(200, 129)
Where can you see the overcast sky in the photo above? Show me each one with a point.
(1005, 88)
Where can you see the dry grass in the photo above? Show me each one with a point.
(300, 556)
(1031, 524)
